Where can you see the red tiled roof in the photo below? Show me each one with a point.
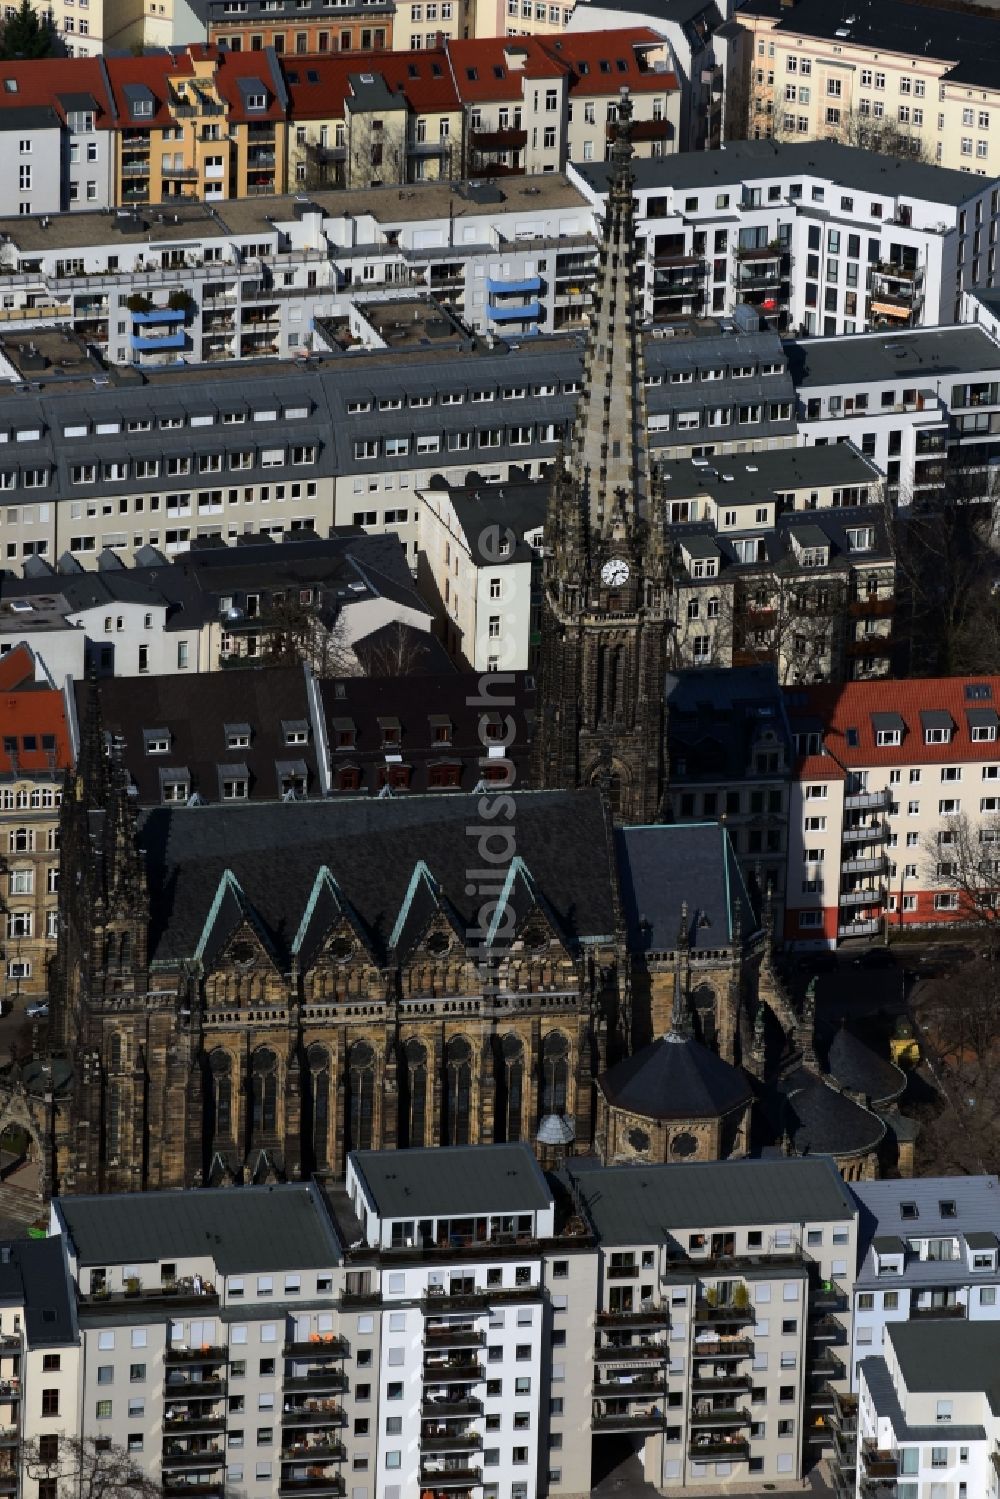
(158, 71)
(43, 80)
(318, 86)
(844, 716)
(588, 51)
(29, 710)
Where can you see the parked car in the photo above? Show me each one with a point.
(38, 1010)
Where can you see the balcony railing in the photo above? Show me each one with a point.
(320, 1347)
(314, 1413)
(957, 1309)
(648, 1317)
(636, 1353)
(723, 1348)
(737, 1452)
(462, 1405)
(453, 1371)
(708, 1312)
(652, 1419)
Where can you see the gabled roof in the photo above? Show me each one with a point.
(319, 86)
(64, 83)
(850, 716)
(327, 907)
(423, 902)
(669, 868)
(229, 911)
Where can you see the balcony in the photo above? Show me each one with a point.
(956, 1310)
(652, 1419)
(706, 1311)
(317, 1382)
(206, 1355)
(644, 130)
(450, 1478)
(323, 1450)
(453, 1371)
(721, 1418)
(317, 1413)
(636, 1353)
(9, 1436)
(322, 1485)
(453, 1337)
(828, 1365)
(149, 343)
(828, 1330)
(865, 896)
(868, 832)
(870, 928)
(511, 139)
(720, 1384)
(437, 1408)
(706, 1452)
(479, 1299)
(523, 312)
(192, 1387)
(176, 1456)
(654, 1316)
(864, 801)
(629, 1387)
(320, 1347)
(458, 1441)
(878, 1462)
(185, 1425)
(716, 1348)
(211, 1490)
(186, 174)
(877, 865)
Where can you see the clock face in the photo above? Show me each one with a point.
(615, 572)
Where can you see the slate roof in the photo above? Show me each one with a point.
(976, 1203)
(860, 1069)
(924, 353)
(886, 1401)
(195, 712)
(754, 161)
(695, 864)
(257, 1228)
(820, 1120)
(371, 846)
(644, 1204)
(472, 1179)
(33, 1276)
(959, 1356)
(716, 715)
(675, 1077)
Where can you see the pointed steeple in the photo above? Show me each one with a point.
(609, 451)
(680, 1020)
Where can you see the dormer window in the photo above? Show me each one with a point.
(947, 1209)
(295, 731)
(441, 729)
(888, 736)
(908, 1211)
(237, 736)
(937, 726)
(157, 741)
(344, 733)
(391, 732)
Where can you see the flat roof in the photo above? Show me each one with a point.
(255, 1228)
(959, 1356)
(645, 1204)
(869, 357)
(846, 166)
(239, 216)
(749, 476)
(469, 1179)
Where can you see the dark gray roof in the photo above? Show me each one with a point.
(749, 161)
(644, 1204)
(746, 477)
(486, 512)
(468, 1179)
(946, 1356)
(888, 1244)
(717, 716)
(34, 1274)
(981, 1240)
(30, 117)
(694, 864)
(859, 1069)
(254, 1228)
(917, 353)
(371, 846)
(971, 45)
(820, 1120)
(675, 1077)
(886, 1401)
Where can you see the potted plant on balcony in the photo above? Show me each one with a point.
(138, 302)
(741, 1298)
(132, 1285)
(712, 1296)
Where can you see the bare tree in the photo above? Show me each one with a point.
(886, 136)
(297, 632)
(400, 651)
(790, 621)
(88, 1468)
(963, 859)
(956, 1015)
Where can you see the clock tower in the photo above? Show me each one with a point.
(606, 579)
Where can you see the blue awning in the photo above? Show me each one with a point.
(160, 315)
(513, 288)
(526, 313)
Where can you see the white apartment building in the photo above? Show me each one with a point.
(889, 774)
(928, 1255)
(927, 1413)
(478, 561)
(821, 238)
(923, 404)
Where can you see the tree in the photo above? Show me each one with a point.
(956, 1015)
(296, 632)
(795, 623)
(88, 1468)
(885, 136)
(963, 859)
(400, 651)
(26, 35)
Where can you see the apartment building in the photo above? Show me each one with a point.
(730, 754)
(927, 1254)
(717, 1314)
(216, 608)
(39, 745)
(821, 238)
(315, 26)
(57, 118)
(876, 75)
(924, 404)
(927, 1413)
(479, 562)
(781, 557)
(894, 780)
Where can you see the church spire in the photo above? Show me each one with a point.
(608, 455)
(92, 765)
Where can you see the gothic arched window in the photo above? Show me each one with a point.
(220, 1065)
(512, 1059)
(113, 1120)
(415, 1054)
(264, 1093)
(458, 1063)
(115, 1052)
(361, 1100)
(319, 1098)
(555, 1073)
